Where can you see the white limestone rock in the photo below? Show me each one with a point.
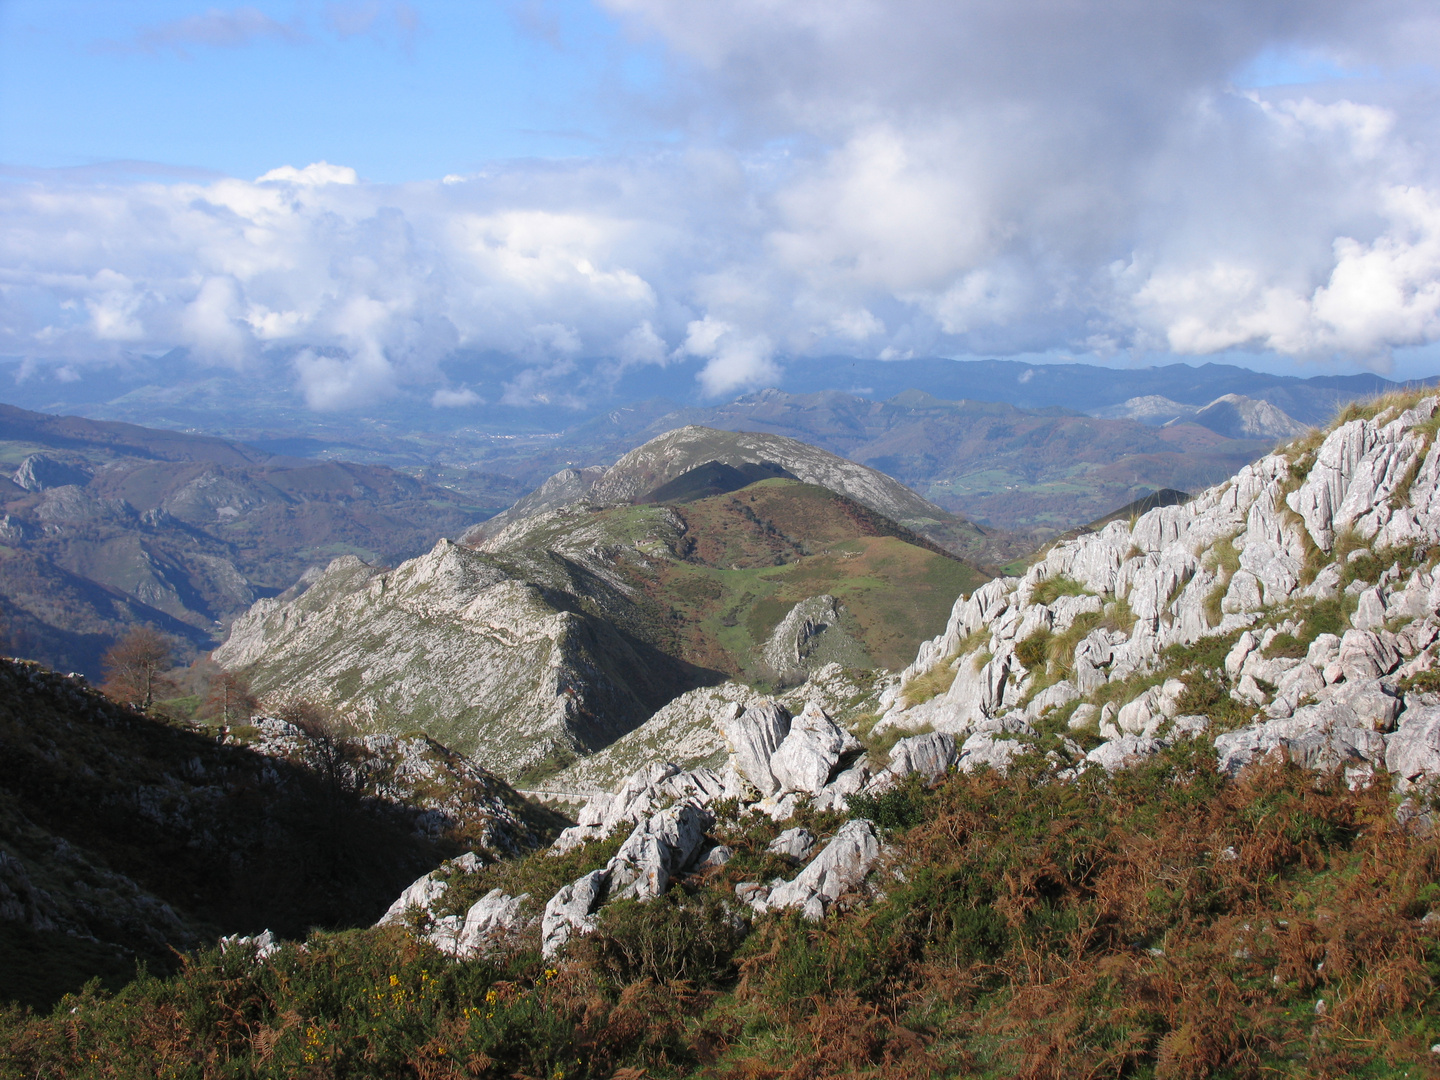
(658, 849)
(812, 749)
(797, 844)
(753, 735)
(1124, 752)
(421, 895)
(996, 743)
(843, 865)
(1412, 753)
(571, 911)
(495, 917)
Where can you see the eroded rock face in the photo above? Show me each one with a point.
(753, 737)
(457, 644)
(1242, 547)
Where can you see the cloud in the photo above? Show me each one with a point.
(216, 28)
(447, 398)
(321, 172)
(896, 179)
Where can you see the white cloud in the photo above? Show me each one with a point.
(894, 179)
(447, 398)
(321, 172)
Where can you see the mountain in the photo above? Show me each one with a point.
(1232, 415)
(664, 468)
(573, 626)
(107, 524)
(1162, 804)
(1012, 471)
(125, 838)
(524, 427)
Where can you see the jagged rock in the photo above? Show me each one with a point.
(1370, 612)
(930, 755)
(1365, 655)
(753, 735)
(841, 866)
(40, 473)
(988, 747)
(1123, 752)
(1055, 696)
(1317, 736)
(836, 794)
(797, 844)
(808, 637)
(259, 945)
(1412, 753)
(571, 910)
(637, 796)
(659, 848)
(718, 855)
(495, 916)
(1372, 703)
(420, 896)
(814, 745)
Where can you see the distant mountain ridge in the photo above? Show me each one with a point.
(105, 524)
(664, 460)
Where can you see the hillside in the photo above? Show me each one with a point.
(108, 524)
(645, 473)
(123, 837)
(572, 627)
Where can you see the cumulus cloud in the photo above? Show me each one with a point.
(887, 179)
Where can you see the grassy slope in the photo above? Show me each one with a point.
(749, 556)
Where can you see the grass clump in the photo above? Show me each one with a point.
(1050, 590)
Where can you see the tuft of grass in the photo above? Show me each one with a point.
(1050, 590)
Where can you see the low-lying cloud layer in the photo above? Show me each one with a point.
(857, 177)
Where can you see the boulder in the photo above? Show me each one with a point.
(813, 747)
(1364, 655)
(991, 746)
(930, 755)
(797, 844)
(1412, 753)
(841, 866)
(421, 895)
(494, 916)
(571, 911)
(753, 735)
(1123, 752)
(659, 848)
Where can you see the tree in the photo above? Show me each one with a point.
(135, 666)
(229, 699)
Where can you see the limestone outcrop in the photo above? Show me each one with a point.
(1343, 527)
(485, 659)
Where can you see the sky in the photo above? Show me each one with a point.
(341, 194)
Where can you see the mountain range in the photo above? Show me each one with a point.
(104, 524)
(558, 631)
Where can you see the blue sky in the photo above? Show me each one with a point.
(398, 91)
(344, 193)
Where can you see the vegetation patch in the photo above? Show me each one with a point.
(1164, 922)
